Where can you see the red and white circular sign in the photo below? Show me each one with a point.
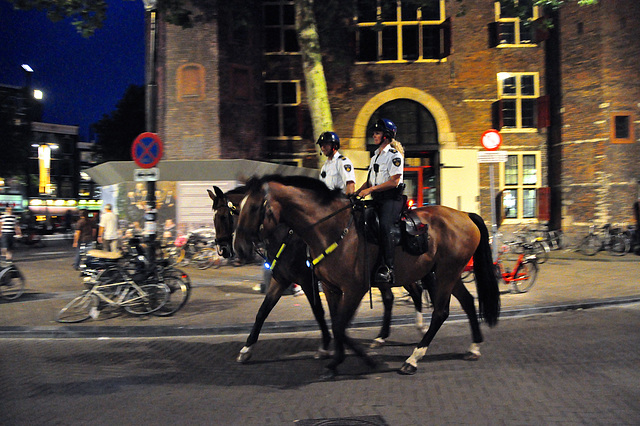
(491, 139)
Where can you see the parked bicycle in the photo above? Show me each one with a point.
(613, 240)
(12, 282)
(539, 245)
(195, 247)
(523, 275)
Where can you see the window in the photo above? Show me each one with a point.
(622, 128)
(280, 27)
(392, 31)
(520, 107)
(282, 115)
(520, 180)
(514, 23)
(190, 82)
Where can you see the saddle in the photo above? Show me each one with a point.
(409, 232)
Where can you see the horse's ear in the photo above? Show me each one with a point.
(219, 192)
(213, 197)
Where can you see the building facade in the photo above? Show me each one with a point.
(565, 99)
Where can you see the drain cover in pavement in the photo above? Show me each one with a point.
(344, 421)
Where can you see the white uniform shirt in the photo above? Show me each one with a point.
(336, 172)
(390, 163)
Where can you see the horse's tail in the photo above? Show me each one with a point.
(486, 281)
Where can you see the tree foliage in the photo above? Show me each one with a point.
(116, 132)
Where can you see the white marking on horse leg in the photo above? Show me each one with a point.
(419, 320)
(474, 348)
(378, 342)
(417, 355)
(323, 353)
(245, 354)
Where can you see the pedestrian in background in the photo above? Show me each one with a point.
(9, 227)
(108, 229)
(83, 237)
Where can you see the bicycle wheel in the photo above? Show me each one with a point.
(145, 299)
(541, 250)
(179, 291)
(590, 245)
(11, 283)
(206, 258)
(79, 309)
(619, 245)
(525, 277)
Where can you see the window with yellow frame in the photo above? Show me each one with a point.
(514, 20)
(397, 31)
(520, 178)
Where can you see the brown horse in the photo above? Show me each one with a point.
(344, 261)
(291, 267)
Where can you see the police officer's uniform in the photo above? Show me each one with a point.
(384, 164)
(337, 171)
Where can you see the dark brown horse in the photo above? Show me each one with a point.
(291, 267)
(344, 261)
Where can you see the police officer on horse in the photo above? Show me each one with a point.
(385, 185)
(337, 172)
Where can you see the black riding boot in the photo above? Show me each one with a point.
(384, 274)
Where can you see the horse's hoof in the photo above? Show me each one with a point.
(244, 355)
(378, 342)
(322, 354)
(407, 369)
(329, 374)
(470, 356)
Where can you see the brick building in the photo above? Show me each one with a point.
(564, 99)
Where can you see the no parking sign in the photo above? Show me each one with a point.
(146, 150)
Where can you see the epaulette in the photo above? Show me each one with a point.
(393, 151)
(342, 157)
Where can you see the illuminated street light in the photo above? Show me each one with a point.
(37, 94)
(27, 68)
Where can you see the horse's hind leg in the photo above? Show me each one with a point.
(465, 298)
(387, 301)
(415, 291)
(272, 297)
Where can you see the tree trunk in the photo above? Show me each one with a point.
(316, 85)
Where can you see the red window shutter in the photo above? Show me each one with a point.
(496, 115)
(543, 196)
(445, 38)
(494, 34)
(544, 113)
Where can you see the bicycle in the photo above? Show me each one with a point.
(12, 282)
(613, 240)
(524, 272)
(538, 244)
(194, 247)
(115, 288)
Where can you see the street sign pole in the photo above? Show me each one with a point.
(491, 141)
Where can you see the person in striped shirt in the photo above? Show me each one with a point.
(9, 227)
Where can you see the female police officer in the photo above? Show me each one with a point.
(385, 184)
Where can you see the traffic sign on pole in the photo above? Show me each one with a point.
(146, 150)
(146, 175)
(492, 156)
(491, 139)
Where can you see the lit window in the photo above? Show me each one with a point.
(520, 180)
(280, 27)
(514, 23)
(393, 31)
(518, 105)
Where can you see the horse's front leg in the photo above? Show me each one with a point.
(318, 312)
(272, 297)
(465, 298)
(387, 302)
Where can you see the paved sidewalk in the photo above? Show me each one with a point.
(223, 300)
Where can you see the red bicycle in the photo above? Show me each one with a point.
(523, 274)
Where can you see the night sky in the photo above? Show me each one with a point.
(82, 79)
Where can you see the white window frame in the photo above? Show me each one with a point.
(399, 24)
(520, 186)
(518, 97)
(516, 25)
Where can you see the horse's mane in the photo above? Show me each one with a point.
(321, 192)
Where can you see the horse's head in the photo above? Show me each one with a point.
(255, 220)
(223, 221)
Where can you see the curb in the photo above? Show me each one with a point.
(75, 332)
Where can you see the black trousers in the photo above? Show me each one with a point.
(388, 208)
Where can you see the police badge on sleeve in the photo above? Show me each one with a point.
(396, 162)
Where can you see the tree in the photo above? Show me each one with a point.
(116, 132)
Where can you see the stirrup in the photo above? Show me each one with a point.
(384, 275)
